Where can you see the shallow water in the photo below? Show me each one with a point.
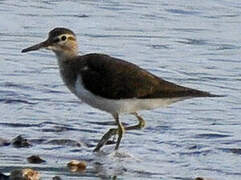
(195, 44)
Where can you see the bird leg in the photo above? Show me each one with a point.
(120, 131)
(105, 138)
(140, 125)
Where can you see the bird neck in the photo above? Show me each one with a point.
(63, 56)
(64, 62)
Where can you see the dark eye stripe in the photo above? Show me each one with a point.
(56, 40)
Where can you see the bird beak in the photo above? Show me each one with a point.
(36, 47)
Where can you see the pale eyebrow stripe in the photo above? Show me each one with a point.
(71, 38)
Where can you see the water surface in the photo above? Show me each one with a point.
(195, 44)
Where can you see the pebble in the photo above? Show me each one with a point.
(35, 159)
(24, 174)
(77, 166)
(19, 142)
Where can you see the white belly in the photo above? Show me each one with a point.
(120, 106)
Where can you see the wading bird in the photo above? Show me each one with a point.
(111, 84)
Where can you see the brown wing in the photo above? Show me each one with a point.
(113, 78)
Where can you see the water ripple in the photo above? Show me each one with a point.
(194, 44)
(15, 101)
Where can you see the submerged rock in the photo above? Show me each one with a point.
(202, 178)
(24, 174)
(35, 159)
(77, 166)
(19, 142)
(66, 142)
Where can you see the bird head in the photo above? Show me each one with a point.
(61, 41)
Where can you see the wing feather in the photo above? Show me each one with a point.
(114, 78)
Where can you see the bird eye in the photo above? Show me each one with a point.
(63, 38)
